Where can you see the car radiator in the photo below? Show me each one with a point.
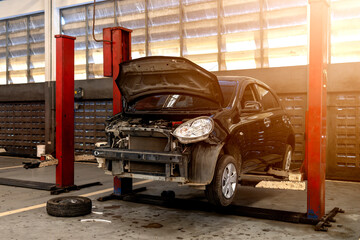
(156, 144)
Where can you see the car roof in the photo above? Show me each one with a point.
(241, 80)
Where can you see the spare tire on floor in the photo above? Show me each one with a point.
(71, 206)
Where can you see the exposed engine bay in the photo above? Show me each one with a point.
(142, 137)
(126, 133)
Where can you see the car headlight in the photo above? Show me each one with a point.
(194, 130)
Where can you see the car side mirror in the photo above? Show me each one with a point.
(252, 107)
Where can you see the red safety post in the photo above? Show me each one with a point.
(117, 49)
(316, 115)
(65, 110)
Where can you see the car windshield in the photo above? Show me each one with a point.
(228, 90)
(172, 102)
(182, 101)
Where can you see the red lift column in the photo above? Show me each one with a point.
(316, 115)
(117, 49)
(65, 111)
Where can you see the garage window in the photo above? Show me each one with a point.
(200, 33)
(345, 31)
(215, 34)
(284, 33)
(131, 14)
(22, 52)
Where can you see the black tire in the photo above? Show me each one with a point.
(283, 164)
(71, 206)
(214, 191)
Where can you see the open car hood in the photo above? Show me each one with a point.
(162, 75)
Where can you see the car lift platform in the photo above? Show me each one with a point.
(168, 200)
(44, 186)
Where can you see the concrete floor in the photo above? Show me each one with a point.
(23, 215)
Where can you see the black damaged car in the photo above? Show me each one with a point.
(181, 123)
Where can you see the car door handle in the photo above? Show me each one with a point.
(267, 122)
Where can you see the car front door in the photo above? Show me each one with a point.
(249, 133)
(274, 142)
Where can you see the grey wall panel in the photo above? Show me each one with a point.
(344, 77)
(96, 88)
(22, 92)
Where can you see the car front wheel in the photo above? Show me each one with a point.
(221, 191)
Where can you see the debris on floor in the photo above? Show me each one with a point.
(48, 161)
(85, 158)
(290, 185)
(95, 220)
(98, 213)
(31, 164)
(153, 225)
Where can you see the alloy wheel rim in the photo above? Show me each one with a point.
(69, 201)
(288, 160)
(228, 180)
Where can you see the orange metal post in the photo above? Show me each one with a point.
(316, 115)
(116, 52)
(65, 110)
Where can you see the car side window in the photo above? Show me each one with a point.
(267, 99)
(248, 95)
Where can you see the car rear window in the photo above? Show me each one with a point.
(228, 89)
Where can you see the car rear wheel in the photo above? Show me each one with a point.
(221, 191)
(286, 161)
(287, 158)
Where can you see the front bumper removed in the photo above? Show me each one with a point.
(136, 155)
(120, 162)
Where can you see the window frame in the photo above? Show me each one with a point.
(222, 13)
(28, 48)
(256, 85)
(254, 92)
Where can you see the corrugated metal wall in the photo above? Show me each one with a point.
(90, 116)
(343, 160)
(295, 106)
(22, 126)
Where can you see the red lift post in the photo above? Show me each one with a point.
(117, 49)
(65, 111)
(316, 115)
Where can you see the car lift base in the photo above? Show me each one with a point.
(254, 212)
(56, 190)
(120, 197)
(44, 186)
